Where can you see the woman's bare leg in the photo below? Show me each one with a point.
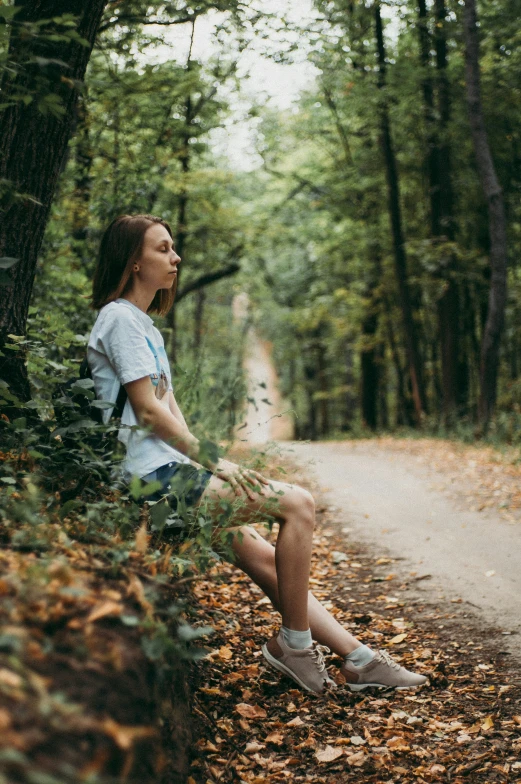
(295, 510)
(282, 572)
(256, 557)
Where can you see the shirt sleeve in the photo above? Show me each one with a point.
(124, 343)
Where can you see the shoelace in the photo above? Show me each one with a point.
(318, 654)
(384, 657)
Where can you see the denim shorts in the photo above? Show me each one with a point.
(182, 483)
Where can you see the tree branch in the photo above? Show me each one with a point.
(143, 21)
(207, 279)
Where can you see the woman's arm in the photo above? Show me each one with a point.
(163, 422)
(174, 408)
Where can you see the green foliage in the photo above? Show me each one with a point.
(321, 250)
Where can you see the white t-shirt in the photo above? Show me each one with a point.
(124, 345)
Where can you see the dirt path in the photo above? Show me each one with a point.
(265, 418)
(451, 513)
(392, 500)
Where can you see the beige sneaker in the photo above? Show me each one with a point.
(307, 667)
(382, 672)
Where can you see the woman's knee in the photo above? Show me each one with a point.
(302, 504)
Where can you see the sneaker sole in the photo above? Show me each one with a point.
(282, 668)
(380, 686)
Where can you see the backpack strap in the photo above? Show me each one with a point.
(121, 399)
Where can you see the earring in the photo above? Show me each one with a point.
(136, 268)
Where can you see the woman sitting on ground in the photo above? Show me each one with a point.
(136, 275)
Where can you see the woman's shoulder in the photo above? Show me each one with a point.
(116, 316)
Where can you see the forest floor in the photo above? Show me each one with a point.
(464, 726)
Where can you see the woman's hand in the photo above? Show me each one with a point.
(241, 479)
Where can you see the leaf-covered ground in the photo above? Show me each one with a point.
(92, 679)
(254, 726)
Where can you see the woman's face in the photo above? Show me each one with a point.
(159, 261)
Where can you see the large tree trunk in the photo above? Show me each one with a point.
(497, 222)
(32, 150)
(400, 259)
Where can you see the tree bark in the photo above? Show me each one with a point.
(441, 197)
(400, 259)
(497, 223)
(369, 367)
(32, 150)
(182, 215)
(84, 156)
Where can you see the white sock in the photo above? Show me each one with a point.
(297, 640)
(360, 656)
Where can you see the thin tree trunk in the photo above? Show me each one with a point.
(441, 196)
(182, 216)
(310, 385)
(349, 399)
(382, 389)
(32, 150)
(323, 406)
(198, 319)
(369, 367)
(84, 156)
(497, 223)
(403, 415)
(400, 259)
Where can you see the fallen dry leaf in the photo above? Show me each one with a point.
(135, 589)
(250, 711)
(397, 743)
(10, 678)
(488, 724)
(141, 541)
(399, 638)
(253, 747)
(356, 760)
(296, 722)
(103, 610)
(276, 738)
(125, 737)
(225, 653)
(329, 754)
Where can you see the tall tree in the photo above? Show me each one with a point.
(441, 196)
(395, 214)
(497, 221)
(34, 133)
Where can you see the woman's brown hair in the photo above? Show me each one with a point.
(121, 246)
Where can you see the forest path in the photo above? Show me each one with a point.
(265, 417)
(416, 500)
(396, 502)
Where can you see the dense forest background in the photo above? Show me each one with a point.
(374, 227)
(362, 235)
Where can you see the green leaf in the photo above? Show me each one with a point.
(208, 451)
(7, 12)
(188, 633)
(159, 514)
(130, 620)
(68, 507)
(8, 480)
(82, 384)
(135, 487)
(151, 488)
